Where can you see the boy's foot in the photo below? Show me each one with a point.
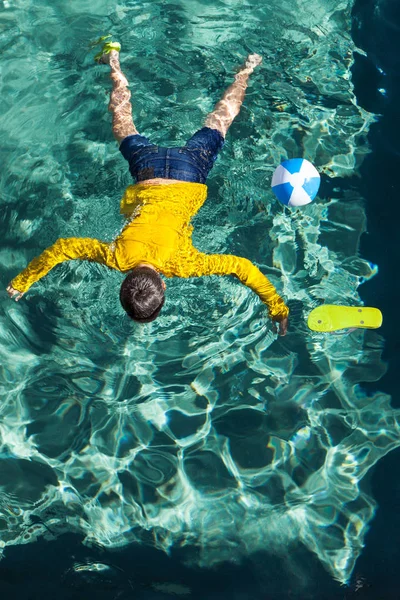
(105, 59)
(109, 48)
(253, 60)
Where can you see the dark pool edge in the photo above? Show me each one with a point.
(376, 82)
(376, 79)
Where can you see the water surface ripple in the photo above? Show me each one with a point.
(201, 429)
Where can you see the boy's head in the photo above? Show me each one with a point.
(142, 294)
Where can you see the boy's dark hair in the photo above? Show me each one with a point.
(142, 294)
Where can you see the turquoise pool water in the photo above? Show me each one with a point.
(200, 430)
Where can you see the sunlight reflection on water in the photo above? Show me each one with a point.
(200, 429)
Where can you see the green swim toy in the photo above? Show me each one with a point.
(107, 46)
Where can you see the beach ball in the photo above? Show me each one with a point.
(295, 182)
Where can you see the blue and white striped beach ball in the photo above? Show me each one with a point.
(295, 182)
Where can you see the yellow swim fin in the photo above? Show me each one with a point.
(99, 41)
(107, 44)
(331, 317)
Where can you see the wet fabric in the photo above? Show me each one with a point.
(160, 234)
(191, 162)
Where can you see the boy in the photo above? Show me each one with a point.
(170, 189)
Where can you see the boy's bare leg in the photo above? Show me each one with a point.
(120, 105)
(229, 106)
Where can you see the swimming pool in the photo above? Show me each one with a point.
(200, 430)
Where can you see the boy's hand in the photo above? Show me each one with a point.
(14, 294)
(282, 327)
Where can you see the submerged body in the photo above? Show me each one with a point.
(170, 190)
(159, 234)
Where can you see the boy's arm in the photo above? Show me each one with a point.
(63, 249)
(250, 275)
